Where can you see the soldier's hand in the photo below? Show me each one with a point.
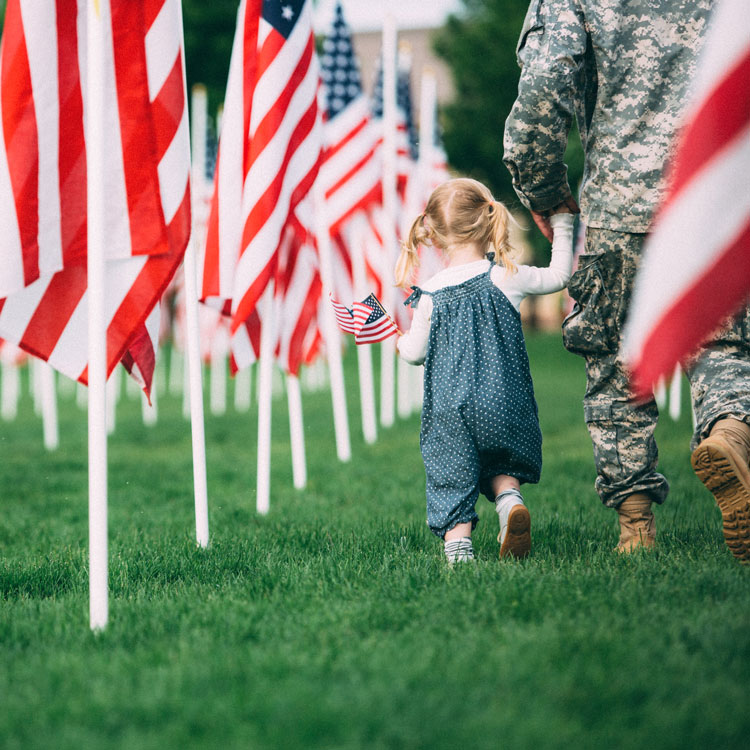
(568, 206)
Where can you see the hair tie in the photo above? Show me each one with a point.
(491, 208)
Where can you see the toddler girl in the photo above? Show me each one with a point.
(480, 431)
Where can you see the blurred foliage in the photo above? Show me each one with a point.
(209, 32)
(479, 45)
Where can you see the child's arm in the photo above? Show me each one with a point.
(535, 280)
(412, 346)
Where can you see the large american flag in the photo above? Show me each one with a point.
(696, 265)
(269, 152)
(43, 289)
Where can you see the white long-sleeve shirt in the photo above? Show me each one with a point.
(412, 346)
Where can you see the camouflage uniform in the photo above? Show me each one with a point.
(622, 70)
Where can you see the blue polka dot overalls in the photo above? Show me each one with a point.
(479, 417)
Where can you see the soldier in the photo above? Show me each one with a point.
(622, 69)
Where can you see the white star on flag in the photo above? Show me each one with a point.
(287, 12)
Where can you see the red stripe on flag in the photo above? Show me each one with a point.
(270, 123)
(20, 132)
(721, 117)
(331, 151)
(139, 144)
(306, 319)
(266, 203)
(53, 312)
(373, 196)
(686, 324)
(168, 108)
(72, 150)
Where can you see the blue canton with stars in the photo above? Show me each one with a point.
(282, 14)
(338, 67)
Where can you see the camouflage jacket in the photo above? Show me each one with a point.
(622, 69)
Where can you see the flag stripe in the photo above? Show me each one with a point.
(720, 119)
(20, 134)
(665, 344)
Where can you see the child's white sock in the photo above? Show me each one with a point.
(459, 550)
(504, 502)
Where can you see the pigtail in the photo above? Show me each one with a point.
(408, 260)
(499, 219)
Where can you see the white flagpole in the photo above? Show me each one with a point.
(427, 110)
(97, 18)
(265, 376)
(35, 386)
(149, 412)
(364, 353)
(111, 403)
(192, 345)
(675, 394)
(388, 347)
(10, 390)
(49, 406)
(330, 329)
(242, 387)
(218, 388)
(296, 432)
(176, 371)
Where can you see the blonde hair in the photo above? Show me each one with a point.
(459, 212)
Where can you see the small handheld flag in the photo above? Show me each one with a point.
(367, 320)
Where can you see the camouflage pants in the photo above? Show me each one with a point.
(622, 432)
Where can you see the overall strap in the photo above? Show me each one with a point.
(491, 258)
(413, 299)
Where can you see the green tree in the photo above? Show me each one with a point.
(479, 45)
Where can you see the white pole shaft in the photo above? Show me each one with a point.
(675, 394)
(242, 388)
(427, 105)
(176, 371)
(404, 388)
(296, 432)
(364, 353)
(218, 389)
(111, 403)
(331, 332)
(11, 387)
(149, 412)
(49, 406)
(35, 386)
(265, 376)
(195, 376)
(194, 372)
(388, 349)
(660, 393)
(97, 329)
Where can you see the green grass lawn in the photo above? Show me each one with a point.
(333, 621)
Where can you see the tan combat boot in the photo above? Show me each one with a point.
(637, 529)
(721, 463)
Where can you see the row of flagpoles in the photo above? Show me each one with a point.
(308, 189)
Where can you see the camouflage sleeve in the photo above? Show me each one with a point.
(551, 53)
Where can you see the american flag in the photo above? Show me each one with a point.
(44, 306)
(269, 152)
(350, 174)
(696, 266)
(367, 320)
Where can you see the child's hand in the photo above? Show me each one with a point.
(568, 206)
